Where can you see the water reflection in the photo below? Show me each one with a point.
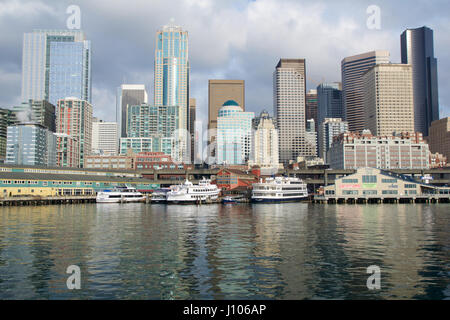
(289, 251)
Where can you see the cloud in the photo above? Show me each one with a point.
(237, 39)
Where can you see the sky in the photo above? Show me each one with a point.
(228, 39)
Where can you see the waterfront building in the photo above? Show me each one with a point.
(388, 99)
(289, 109)
(417, 49)
(42, 112)
(358, 150)
(105, 138)
(311, 136)
(111, 162)
(30, 144)
(329, 101)
(7, 118)
(67, 151)
(312, 107)
(353, 69)
(128, 95)
(371, 183)
(56, 64)
(74, 118)
(172, 71)
(32, 181)
(264, 150)
(219, 92)
(235, 180)
(149, 144)
(330, 128)
(234, 134)
(439, 138)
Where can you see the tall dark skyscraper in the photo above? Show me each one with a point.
(418, 50)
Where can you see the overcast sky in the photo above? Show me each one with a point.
(228, 39)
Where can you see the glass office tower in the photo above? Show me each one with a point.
(418, 50)
(172, 71)
(56, 64)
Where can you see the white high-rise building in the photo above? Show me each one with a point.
(388, 99)
(105, 138)
(264, 151)
(289, 109)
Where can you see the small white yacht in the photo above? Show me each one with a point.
(120, 195)
(190, 193)
(160, 195)
(280, 189)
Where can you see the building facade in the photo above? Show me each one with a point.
(329, 101)
(311, 106)
(353, 69)
(192, 120)
(234, 134)
(172, 71)
(105, 138)
(42, 112)
(439, 138)
(146, 120)
(128, 95)
(330, 128)
(388, 99)
(31, 144)
(417, 49)
(403, 151)
(56, 64)
(74, 118)
(67, 151)
(219, 92)
(264, 150)
(149, 144)
(7, 118)
(311, 136)
(289, 109)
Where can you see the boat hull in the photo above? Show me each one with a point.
(277, 200)
(121, 200)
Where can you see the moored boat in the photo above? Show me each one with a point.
(190, 193)
(120, 195)
(280, 189)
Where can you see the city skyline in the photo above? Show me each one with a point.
(230, 55)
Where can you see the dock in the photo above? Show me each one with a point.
(45, 201)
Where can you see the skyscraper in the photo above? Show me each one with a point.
(353, 68)
(41, 112)
(417, 49)
(219, 92)
(289, 109)
(264, 151)
(388, 99)
(311, 106)
(31, 144)
(7, 118)
(172, 71)
(329, 101)
(74, 118)
(105, 138)
(234, 134)
(56, 64)
(192, 119)
(128, 95)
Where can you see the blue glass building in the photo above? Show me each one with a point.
(329, 101)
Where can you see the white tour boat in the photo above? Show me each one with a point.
(280, 189)
(190, 193)
(120, 195)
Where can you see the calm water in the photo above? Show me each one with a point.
(288, 251)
